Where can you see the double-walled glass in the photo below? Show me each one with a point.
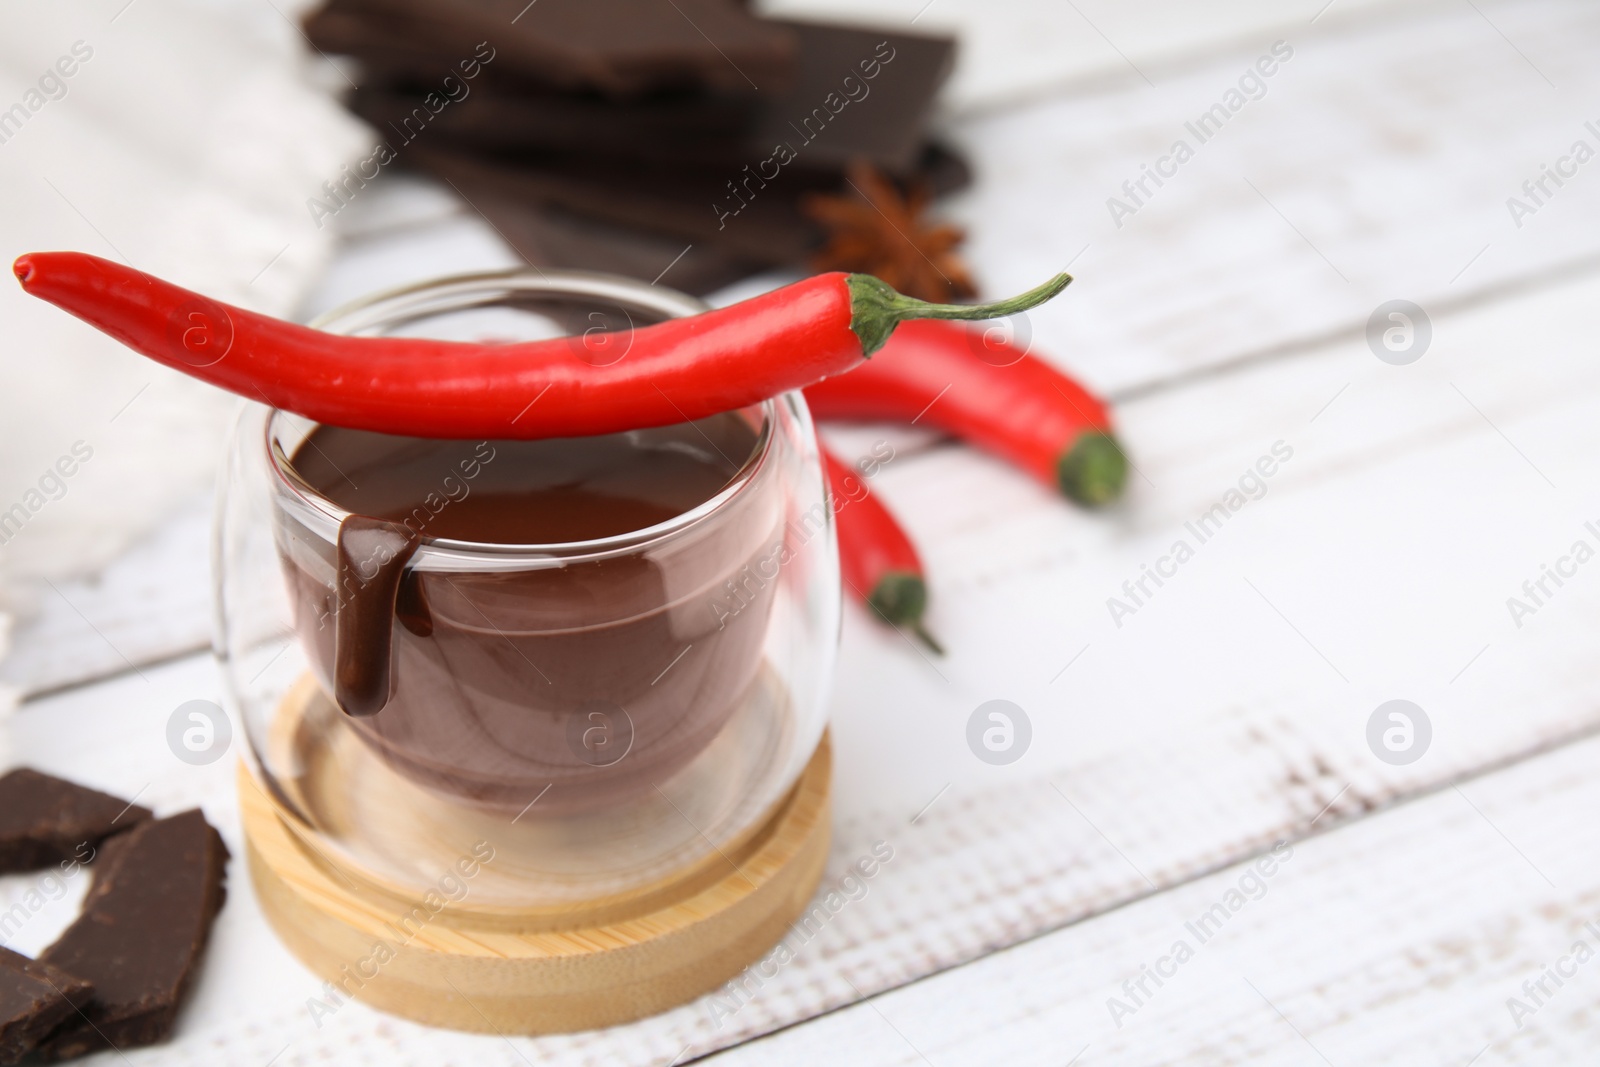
(605, 715)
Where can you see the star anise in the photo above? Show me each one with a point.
(875, 229)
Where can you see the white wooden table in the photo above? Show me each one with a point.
(1200, 858)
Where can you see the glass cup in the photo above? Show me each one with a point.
(606, 715)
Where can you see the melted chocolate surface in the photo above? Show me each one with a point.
(488, 684)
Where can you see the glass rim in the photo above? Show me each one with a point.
(460, 292)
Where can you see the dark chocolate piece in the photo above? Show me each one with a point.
(680, 202)
(396, 46)
(140, 935)
(33, 1002)
(832, 115)
(618, 47)
(489, 118)
(395, 53)
(46, 820)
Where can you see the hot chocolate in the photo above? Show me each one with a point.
(595, 668)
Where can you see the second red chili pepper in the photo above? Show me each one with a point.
(1018, 406)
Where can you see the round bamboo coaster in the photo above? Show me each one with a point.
(434, 961)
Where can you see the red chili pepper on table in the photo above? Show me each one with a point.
(673, 372)
(879, 563)
(1025, 411)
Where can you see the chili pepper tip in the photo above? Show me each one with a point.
(900, 597)
(926, 638)
(23, 269)
(1094, 470)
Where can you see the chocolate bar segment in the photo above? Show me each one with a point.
(46, 820)
(490, 118)
(677, 202)
(856, 95)
(140, 935)
(34, 1000)
(618, 47)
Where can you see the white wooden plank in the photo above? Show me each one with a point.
(1014, 49)
(151, 603)
(1375, 165)
(1404, 939)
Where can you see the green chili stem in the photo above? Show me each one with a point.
(876, 308)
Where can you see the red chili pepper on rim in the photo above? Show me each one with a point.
(879, 563)
(1024, 411)
(674, 371)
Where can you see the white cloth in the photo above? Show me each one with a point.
(185, 139)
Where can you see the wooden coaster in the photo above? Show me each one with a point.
(436, 962)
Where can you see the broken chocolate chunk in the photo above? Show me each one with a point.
(34, 1000)
(46, 820)
(140, 935)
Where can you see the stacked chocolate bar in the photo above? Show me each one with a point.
(634, 135)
